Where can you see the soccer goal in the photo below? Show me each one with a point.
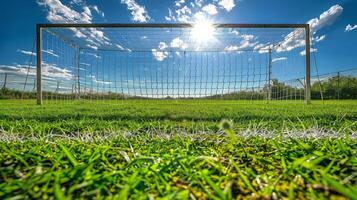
(173, 61)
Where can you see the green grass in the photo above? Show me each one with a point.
(142, 149)
(167, 115)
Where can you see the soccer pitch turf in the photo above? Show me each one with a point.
(178, 149)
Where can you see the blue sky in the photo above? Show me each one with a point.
(334, 21)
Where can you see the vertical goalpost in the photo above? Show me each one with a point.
(39, 64)
(197, 59)
(307, 65)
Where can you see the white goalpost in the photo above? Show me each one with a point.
(173, 61)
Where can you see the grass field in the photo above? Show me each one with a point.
(144, 149)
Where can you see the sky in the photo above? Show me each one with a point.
(333, 24)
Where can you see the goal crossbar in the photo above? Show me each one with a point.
(167, 25)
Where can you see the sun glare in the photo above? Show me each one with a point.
(202, 32)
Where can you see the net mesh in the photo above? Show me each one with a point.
(169, 63)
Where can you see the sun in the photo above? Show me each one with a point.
(202, 31)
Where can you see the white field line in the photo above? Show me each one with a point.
(198, 136)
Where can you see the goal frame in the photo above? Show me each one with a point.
(39, 28)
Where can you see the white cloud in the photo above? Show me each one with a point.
(138, 12)
(48, 70)
(198, 3)
(95, 80)
(85, 64)
(183, 14)
(78, 33)
(350, 27)
(279, 59)
(231, 48)
(53, 71)
(296, 38)
(178, 43)
(319, 38)
(92, 47)
(96, 9)
(210, 9)
(161, 52)
(326, 18)
(303, 53)
(247, 44)
(60, 13)
(18, 69)
(293, 40)
(120, 47)
(263, 48)
(248, 37)
(227, 4)
(178, 3)
(87, 11)
(57, 12)
(235, 32)
(247, 41)
(159, 55)
(76, 2)
(50, 52)
(170, 17)
(94, 55)
(92, 7)
(29, 53)
(162, 45)
(190, 12)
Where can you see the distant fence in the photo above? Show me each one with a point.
(336, 85)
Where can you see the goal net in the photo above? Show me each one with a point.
(172, 61)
